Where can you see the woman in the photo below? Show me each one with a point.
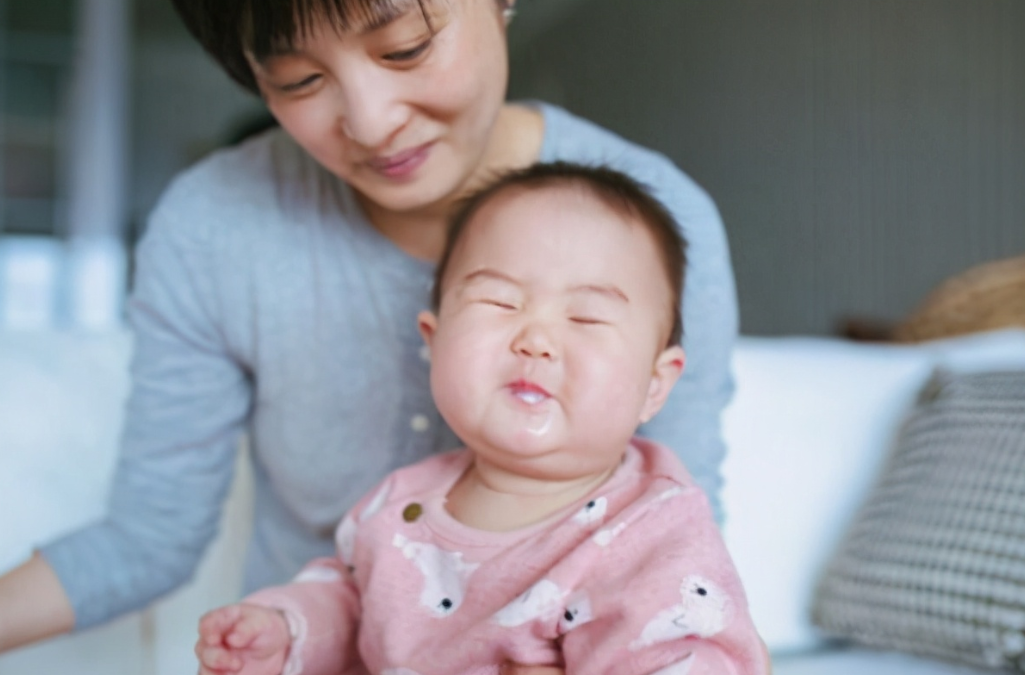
(278, 285)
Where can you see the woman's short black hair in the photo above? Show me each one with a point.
(616, 190)
(228, 29)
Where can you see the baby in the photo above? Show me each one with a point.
(556, 537)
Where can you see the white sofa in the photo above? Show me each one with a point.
(810, 423)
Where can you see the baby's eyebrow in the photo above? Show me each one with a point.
(609, 291)
(486, 274)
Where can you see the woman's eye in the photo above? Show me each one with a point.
(300, 84)
(407, 54)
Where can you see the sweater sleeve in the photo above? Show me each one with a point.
(322, 607)
(691, 421)
(189, 398)
(664, 599)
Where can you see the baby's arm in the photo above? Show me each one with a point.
(307, 626)
(242, 639)
(321, 607)
(665, 598)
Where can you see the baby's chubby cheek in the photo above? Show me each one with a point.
(615, 396)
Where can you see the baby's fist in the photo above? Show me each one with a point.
(244, 640)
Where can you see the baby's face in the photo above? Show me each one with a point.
(548, 349)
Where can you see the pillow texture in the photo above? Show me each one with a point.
(934, 563)
(806, 432)
(812, 422)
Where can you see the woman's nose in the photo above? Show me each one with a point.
(372, 112)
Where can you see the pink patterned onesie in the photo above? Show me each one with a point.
(633, 579)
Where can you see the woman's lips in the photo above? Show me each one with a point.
(401, 164)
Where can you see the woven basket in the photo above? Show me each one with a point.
(984, 297)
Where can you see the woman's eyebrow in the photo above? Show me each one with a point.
(376, 20)
(395, 10)
(381, 18)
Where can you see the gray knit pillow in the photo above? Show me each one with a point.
(934, 563)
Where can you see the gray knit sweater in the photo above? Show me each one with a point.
(265, 302)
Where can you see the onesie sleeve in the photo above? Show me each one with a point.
(662, 597)
(322, 603)
(322, 608)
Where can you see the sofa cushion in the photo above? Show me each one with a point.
(61, 400)
(804, 433)
(934, 562)
(865, 662)
(808, 428)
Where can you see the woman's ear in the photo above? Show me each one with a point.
(427, 322)
(667, 370)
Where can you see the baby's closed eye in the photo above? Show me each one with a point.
(588, 320)
(499, 303)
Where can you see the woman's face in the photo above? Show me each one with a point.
(402, 111)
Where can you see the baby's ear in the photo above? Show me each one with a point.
(667, 370)
(427, 322)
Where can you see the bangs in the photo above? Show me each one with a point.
(275, 26)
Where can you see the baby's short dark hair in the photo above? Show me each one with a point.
(614, 189)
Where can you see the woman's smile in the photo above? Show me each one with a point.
(401, 164)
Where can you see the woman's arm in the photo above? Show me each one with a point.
(690, 422)
(183, 418)
(33, 605)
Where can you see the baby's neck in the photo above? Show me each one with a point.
(487, 498)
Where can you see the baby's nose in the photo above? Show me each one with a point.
(536, 341)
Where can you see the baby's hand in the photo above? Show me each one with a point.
(243, 639)
(513, 669)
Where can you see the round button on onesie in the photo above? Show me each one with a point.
(412, 512)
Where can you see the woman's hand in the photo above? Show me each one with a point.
(244, 640)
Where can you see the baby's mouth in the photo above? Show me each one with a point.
(528, 392)
(530, 397)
